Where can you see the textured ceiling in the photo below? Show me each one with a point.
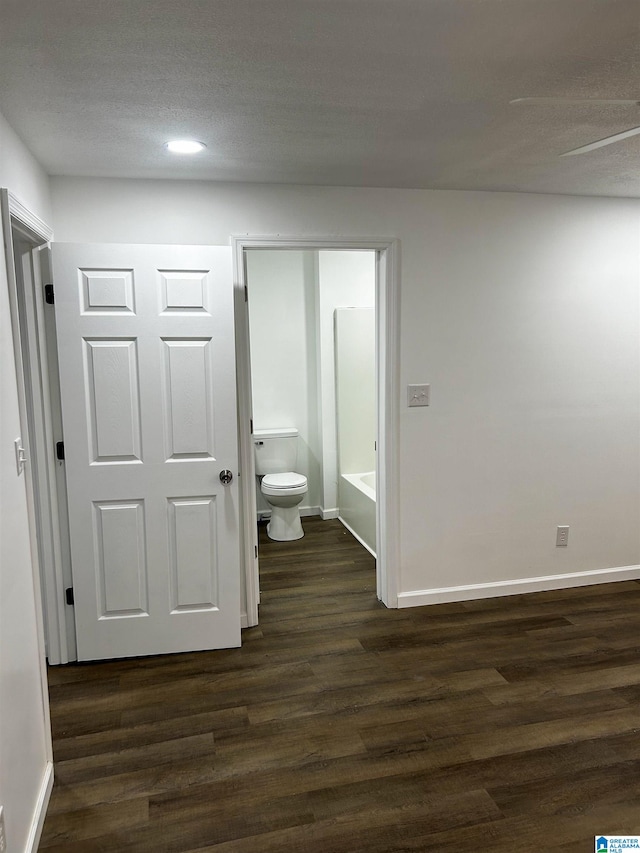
(385, 93)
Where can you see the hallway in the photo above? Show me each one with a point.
(340, 726)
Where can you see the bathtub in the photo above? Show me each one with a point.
(357, 507)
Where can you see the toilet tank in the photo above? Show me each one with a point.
(276, 450)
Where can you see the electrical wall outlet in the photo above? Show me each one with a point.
(3, 836)
(418, 395)
(562, 536)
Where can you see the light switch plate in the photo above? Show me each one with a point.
(418, 395)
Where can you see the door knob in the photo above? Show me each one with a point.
(226, 477)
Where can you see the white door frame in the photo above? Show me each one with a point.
(37, 408)
(387, 383)
(18, 221)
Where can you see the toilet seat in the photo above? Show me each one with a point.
(288, 483)
(289, 480)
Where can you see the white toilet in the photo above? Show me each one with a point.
(276, 453)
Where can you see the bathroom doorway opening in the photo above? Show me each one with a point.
(316, 326)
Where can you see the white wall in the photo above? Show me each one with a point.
(345, 279)
(24, 734)
(355, 331)
(522, 313)
(282, 319)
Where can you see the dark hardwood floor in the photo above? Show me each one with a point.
(508, 724)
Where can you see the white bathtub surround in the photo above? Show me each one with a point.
(356, 389)
(369, 483)
(345, 279)
(356, 418)
(357, 495)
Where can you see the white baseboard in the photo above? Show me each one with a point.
(329, 513)
(361, 541)
(470, 592)
(304, 511)
(40, 811)
(244, 621)
(309, 510)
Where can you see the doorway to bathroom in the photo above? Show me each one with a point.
(316, 355)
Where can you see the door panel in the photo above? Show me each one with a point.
(188, 377)
(121, 557)
(113, 401)
(193, 538)
(147, 374)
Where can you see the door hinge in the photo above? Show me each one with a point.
(60, 450)
(68, 595)
(251, 425)
(256, 550)
(21, 456)
(48, 294)
(246, 293)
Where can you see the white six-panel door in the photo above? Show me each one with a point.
(147, 376)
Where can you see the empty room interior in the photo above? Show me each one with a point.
(319, 425)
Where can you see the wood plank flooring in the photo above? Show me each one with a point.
(508, 724)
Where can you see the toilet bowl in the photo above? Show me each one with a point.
(284, 493)
(282, 488)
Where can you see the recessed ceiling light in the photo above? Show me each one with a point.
(185, 146)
